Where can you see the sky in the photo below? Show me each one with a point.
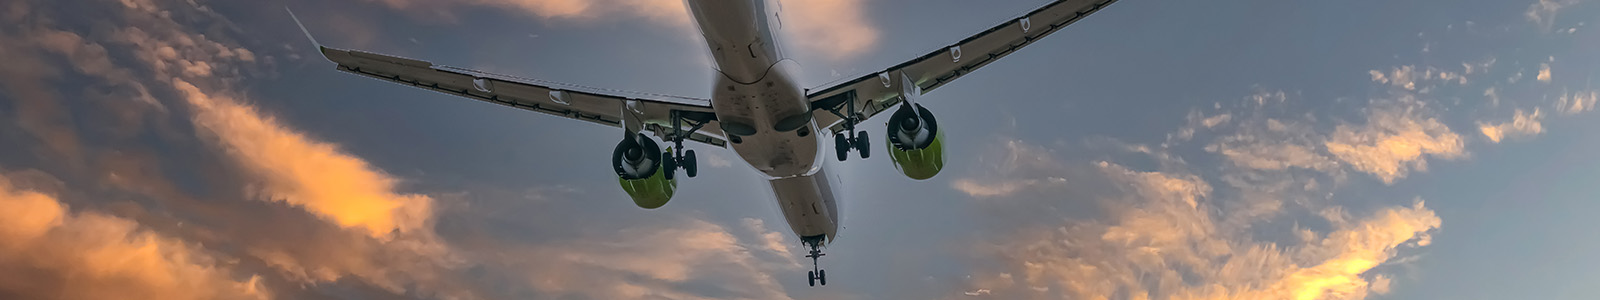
(1431, 149)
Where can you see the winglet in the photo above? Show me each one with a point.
(307, 32)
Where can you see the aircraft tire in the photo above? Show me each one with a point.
(822, 277)
(842, 146)
(669, 165)
(813, 276)
(690, 166)
(863, 144)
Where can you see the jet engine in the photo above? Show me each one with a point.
(639, 165)
(916, 145)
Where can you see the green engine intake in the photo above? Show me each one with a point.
(640, 171)
(916, 145)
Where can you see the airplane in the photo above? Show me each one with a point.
(756, 107)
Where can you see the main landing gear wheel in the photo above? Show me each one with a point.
(858, 142)
(863, 144)
(670, 166)
(689, 167)
(844, 140)
(675, 161)
(842, 146)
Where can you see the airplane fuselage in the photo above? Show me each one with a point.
(765, 112)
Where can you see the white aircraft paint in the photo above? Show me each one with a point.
(757, 88)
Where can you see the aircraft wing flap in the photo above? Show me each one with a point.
(879, 91)
(565, 100)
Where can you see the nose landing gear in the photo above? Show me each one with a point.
(816, 275)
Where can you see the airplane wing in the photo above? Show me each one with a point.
(576, 102)
(879, 91)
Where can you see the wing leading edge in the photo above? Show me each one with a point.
(595, 105)
(879, 91)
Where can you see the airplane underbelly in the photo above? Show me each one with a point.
(754, 115)
(779, 156)
(808, 204)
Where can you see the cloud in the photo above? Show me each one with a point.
(666, 11)
(1271, 164)
(1354, 250)
(377, 235)
(1028, 168)
(1543, 13)
(313, 175)
(1395, 140)
(387, 238)
(1523, 124)
(1274, 144)
(771, 241)
(684, 259)
(980, 189)
(308, 219)
(1257, 221)
(1162, 239)
(1544, 73)
(39, 111)
(1198, 121)
(336, 224)
(1380, 284)
(1412, 78)
(49, 252)
(840, 29)
(1577, 102)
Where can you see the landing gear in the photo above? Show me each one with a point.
(849, 139)
(677, 157)
(816, 275)
(683, 160)
(858, 141)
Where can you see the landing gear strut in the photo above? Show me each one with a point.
(850, 139)
(677, 157)
(816, 275)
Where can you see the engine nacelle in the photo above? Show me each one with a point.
(639, 166)
(916, 145)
